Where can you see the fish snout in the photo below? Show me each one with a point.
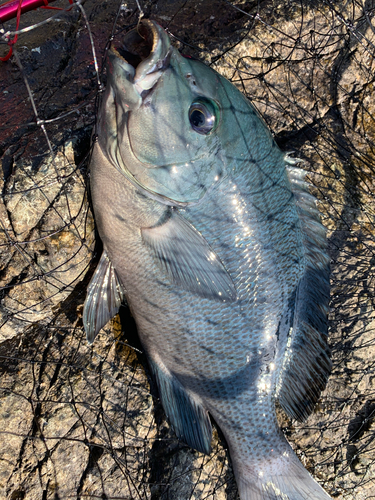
(145, 54)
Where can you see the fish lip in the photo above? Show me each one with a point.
(137, 44)
(147, 51)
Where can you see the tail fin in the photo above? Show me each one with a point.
(282, 479)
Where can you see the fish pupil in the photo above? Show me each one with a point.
(197, 118)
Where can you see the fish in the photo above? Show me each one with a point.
(211, 236)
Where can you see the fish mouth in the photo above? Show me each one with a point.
(147, 50)
(139, 43)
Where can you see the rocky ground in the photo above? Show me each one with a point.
(79, 421)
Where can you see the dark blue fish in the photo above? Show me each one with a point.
(210, 233)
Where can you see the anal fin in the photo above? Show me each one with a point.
(189, 419)
(103, 299)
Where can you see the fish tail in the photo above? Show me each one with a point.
(283, 479)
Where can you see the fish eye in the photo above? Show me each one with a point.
(203, 115)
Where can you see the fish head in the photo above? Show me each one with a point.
(168, 121)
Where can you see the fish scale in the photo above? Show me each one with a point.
(210, 233)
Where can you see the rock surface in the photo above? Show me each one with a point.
(83, 421)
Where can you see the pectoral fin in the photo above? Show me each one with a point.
(189, 419)
(188, 259)
(103, 299)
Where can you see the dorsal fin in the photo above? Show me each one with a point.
(306, 364)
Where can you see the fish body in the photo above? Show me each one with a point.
(211, 235)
